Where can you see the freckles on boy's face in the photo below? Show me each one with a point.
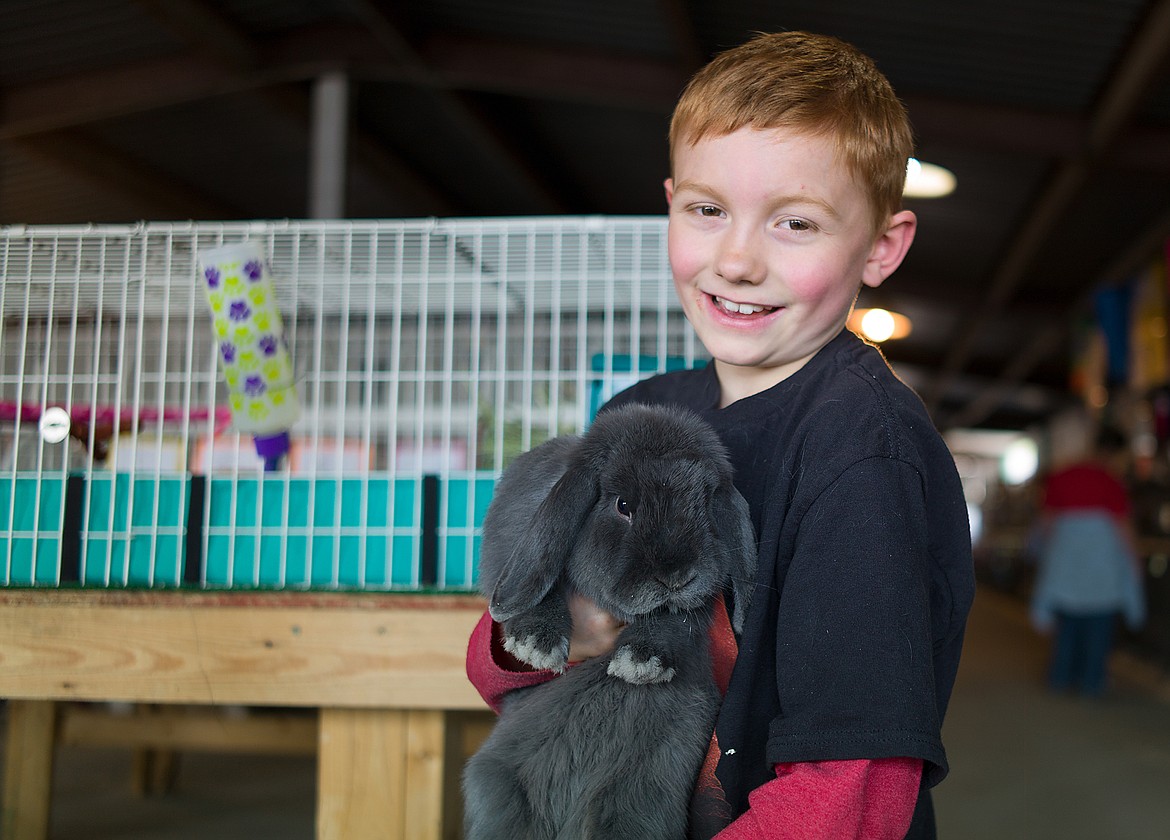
(770, 239)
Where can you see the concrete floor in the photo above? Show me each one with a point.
(1028, 765)
(1025, 764)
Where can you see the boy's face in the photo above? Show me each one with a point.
(770, 240)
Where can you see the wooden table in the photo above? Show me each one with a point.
(386, 672)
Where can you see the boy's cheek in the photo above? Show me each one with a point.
(685, 261)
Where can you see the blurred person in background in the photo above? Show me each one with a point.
(1088, 572)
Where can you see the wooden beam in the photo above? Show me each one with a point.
(590, 76)
(559, 74)
(462, 62)
(108, 169)
(97, 95)
(34, 111)
(248, 651)
(479, 134)
(205, 28)
(189, 728)
(690, 49)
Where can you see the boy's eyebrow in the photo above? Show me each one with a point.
(778, 201)
(696, 186)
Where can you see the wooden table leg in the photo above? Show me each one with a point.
(28, 770)
(425, 753)
(380, 774)
(465, 733)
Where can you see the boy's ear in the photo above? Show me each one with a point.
(668, 184)
(889, 248)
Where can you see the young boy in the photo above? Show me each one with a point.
(788, 157)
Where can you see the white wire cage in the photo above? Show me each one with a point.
(427, 354)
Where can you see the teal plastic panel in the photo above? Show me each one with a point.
(466, 499)
(306, 532)
(31, 511)
(134, 531)
(263, 531)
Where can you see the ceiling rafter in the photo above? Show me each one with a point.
(688, 46)
(108, 169)
(85, 98)
(1124, 92)
(468, 123)
(580, 76)
(204, 27)
(211, 34)
(591, 76)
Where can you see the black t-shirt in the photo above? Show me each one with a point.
(852, 642)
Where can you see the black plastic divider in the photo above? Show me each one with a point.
(193, 566)
(429, 539)
(72, 518)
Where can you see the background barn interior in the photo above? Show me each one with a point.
(1038, 286)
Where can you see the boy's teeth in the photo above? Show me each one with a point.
(741, 308)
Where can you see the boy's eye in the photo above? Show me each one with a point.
(709, 210)
(795, 224)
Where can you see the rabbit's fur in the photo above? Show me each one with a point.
(640, 515)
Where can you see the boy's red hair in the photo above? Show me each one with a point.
(813, 84)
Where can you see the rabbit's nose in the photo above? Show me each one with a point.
(675, 581)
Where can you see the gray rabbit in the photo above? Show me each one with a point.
(640, 515)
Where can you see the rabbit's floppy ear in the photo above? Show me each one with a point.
(732, 523)
(541, 551)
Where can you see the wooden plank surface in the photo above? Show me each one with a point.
(28, 770)
(291, 649)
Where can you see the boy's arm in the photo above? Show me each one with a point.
(865, 799)
(494, 672)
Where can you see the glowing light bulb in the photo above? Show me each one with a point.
(1020, 461)
(927, 180)
(878, 325)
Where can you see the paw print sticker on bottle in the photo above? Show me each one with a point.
(252, 352)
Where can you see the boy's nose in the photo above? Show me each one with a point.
(738, 262)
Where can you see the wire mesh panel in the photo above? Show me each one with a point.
(427, 354)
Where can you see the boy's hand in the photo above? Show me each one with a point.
(595, 631)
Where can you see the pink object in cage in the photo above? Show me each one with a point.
(84, 414)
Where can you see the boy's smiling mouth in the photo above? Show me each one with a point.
(733, 308)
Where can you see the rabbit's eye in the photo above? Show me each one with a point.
(623, 507)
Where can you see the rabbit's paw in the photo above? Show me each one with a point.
(628, 665)
(539, 651)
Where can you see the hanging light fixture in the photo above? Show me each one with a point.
(927, 180)
(878, 325)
